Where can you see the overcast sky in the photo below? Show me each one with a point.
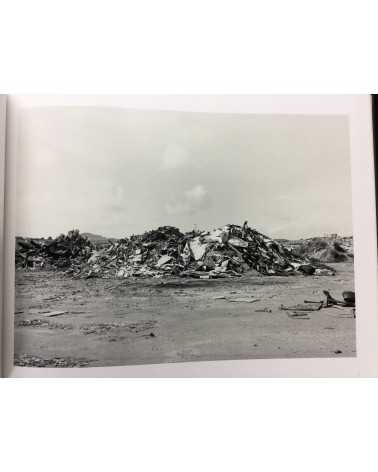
(116, 172)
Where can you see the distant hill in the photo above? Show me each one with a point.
(97, 238)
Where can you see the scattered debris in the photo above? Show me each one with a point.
(42, 323)
(53, 299)
(26, 360)
(105, 328)
(349, 299)
(54, 313)
(330, 302)
(244, 300)
(303, 307)
(299, 315)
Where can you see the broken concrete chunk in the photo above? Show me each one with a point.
(122, 273)
(238, 242)
(244, 300)
(54, 313)
(198, 248)
(163, 260)
(303, 307)
(219, 235)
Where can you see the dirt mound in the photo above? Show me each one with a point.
(325, 249)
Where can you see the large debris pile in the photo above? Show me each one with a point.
(225, 252)
(66, 251)
(152, 253)
(324, 249)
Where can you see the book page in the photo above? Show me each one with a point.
(179, 236)
(2, 193)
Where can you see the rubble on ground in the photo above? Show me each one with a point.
(301, 310)
(323, 249)
(62, 252)
(306, 306)
(26, 360)
(106, 328)
(42, 323)
(224, 252)
(348, 296)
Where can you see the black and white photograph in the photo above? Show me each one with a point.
(148, 237)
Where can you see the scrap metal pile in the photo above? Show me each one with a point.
(225, 252)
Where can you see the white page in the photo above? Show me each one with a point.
(357, 110)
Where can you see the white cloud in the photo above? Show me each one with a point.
(195, 199)
(196, 194)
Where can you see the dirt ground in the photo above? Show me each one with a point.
(144, 321)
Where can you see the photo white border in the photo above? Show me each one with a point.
(358, 110)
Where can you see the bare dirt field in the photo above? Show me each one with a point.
(64, 322)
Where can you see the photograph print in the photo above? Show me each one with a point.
(150, 237)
